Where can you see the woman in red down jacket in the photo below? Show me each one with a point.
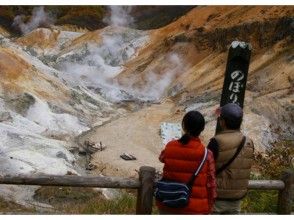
(181, 159)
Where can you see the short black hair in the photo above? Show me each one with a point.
(232, 123)
(193, 123)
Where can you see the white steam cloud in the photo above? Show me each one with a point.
(151, 87)
(39, 18)
(96, 67)
(155, 83)
(101, 65)
(120, 16)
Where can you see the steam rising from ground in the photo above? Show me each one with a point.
(39, 18)
(52, 123)
(95, 64)
(119, 16)
(98, 65)
(154, 83)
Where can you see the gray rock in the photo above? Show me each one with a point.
(31, 51)
(62, 155)
(82, 151)
(5, 116)
(21, 103)
(176, 89)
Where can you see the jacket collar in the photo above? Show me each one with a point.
(195, 139)
(230, 131)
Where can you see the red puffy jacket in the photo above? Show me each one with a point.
(180, 162)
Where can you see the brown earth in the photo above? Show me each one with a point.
(42, 38)
(19, 76)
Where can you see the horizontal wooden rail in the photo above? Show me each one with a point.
(145, 186)
(110, 182)
(266, 184)
(71, 180)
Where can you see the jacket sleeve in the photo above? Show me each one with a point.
(161, 156)
(211, 181)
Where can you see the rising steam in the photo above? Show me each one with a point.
(39, 18)
(98, 66)
(101, 65)
(119, 16)
(155, 83)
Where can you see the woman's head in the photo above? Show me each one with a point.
(193, 124)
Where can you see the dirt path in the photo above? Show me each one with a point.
(138, 134)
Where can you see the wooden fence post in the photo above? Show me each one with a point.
(286, 195)
(145, 191)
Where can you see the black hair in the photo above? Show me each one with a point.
(193, 124)
(232, 123)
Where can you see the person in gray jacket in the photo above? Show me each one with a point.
(233, 155)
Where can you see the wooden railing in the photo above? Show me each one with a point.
(284, 186)
(145, 186)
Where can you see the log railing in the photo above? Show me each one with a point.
(145, 186)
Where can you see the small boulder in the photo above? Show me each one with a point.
(5, 116)
(22, 103)
(62, 155)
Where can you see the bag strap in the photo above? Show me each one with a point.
(191, 181)
(223, 167)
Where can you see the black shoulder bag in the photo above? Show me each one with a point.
(175, 194)
(223, 167)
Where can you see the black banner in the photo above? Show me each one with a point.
(236, 75)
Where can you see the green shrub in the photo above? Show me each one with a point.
(270, 166)
(125, 204)
(258, 201)
(278, 158)
(11, 207)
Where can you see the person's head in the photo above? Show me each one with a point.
(193, 124)
(231, 116)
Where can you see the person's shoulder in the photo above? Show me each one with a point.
(172, 143)
(228, 134)
(218, 136)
